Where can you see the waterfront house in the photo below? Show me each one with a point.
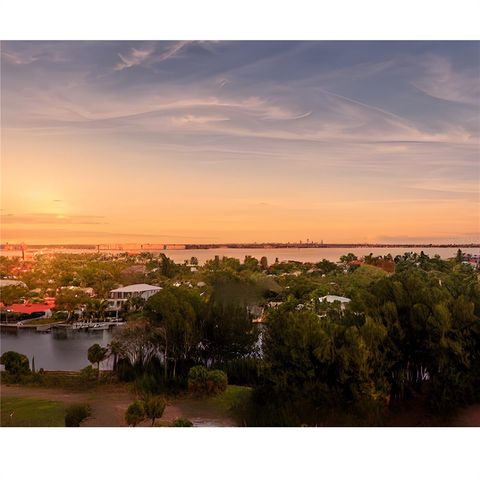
(119, 296)
(31, 310)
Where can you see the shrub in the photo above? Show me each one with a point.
(182, 422)
(135, 413)
(197, 380)
(76, 414)
(202, 381)
(147, 384)
(217, 382)
(88, 374)
(15, 363)
(154, 408)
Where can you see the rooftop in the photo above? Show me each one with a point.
(29, 308)
(137, 287)
(334, 298)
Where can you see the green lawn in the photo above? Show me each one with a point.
(222, 410)
(230, 399)
(31, 412)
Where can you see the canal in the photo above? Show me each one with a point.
(58, 350)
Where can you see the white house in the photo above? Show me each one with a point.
(335, 298)
(120, 295)
(11, 283)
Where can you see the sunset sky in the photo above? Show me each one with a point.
(240, 141)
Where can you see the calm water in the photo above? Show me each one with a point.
(59, 350)
(303, 254)
(298, 254)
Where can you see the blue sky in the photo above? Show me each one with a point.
(246, 141)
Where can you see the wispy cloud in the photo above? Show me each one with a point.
(439, 79)
(52, 219)
(148, 56)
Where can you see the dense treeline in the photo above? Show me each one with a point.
(414, 334)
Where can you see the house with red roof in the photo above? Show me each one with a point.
(37, 310)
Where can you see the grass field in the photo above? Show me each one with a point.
(31, 412)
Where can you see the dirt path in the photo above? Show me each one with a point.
(468, 417)
(109, 403)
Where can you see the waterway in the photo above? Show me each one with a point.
(298, 254)
(59, 350)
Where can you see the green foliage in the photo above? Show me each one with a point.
(88, 374)
(197, 380)
(76, 414)
(154, 408)
(148, 384)
(12, 294)
(414, 334)
(135, 413)
(97, 354)
(176, 312)
(243, 371)
(182, 422)
(15, 363)
(70, 300)
(349, 257)
(217, 382)
(202, 381)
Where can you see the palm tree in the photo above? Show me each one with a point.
(97, 354)
(115, 349)
(96, 309)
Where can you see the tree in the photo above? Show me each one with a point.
(96, 308)
(177, 311)
(134, 304)
(115, 349)
(194, 261)
(350, 257)
(154, 408)
(250, 263)
(168, 268)
(69, 300)
(135, 413)
(459, 257)
(227, 328)
(325, 266)
(12, 294)
(15, 363)
(264, 263)
(97, 354)
(139, 342)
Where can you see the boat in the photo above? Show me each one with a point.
(99, 326)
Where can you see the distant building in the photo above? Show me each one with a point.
(88, 290)
(120, 295)
(335, 298)
(10, 283)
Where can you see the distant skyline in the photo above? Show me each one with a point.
(212, 142)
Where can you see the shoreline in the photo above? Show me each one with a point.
(232, 246)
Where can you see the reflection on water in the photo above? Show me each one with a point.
(59, 350)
